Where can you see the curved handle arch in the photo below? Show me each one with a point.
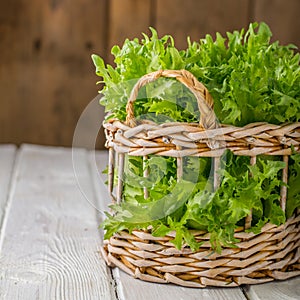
(205, 101)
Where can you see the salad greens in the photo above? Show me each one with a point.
(251, 80)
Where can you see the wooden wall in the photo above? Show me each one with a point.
(46, 74)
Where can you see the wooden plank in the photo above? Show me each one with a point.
(128, 19)
(287, 290)
(197, 18)
(129, 288)
(7, 158)
(47, 76)
(282, 17)
(97, 163)
(50, 240)
(148, 291)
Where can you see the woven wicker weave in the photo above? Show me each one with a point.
(272, 254)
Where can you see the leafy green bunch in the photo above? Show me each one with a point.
(191, 203)
(251, 80)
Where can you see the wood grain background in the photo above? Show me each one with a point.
(46, 74)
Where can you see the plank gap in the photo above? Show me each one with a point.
(245, 291)
(115, 285)
(9, 196)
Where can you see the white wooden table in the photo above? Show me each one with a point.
(50, 240)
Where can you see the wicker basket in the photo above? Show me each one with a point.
(272, 254)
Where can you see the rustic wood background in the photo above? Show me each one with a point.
(46, 74)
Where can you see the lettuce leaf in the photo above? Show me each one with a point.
(293, 195)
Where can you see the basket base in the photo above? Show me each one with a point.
(274, 254)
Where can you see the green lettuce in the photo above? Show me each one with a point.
(251, 80)
(192, 204)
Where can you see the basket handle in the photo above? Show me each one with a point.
(205, 102)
